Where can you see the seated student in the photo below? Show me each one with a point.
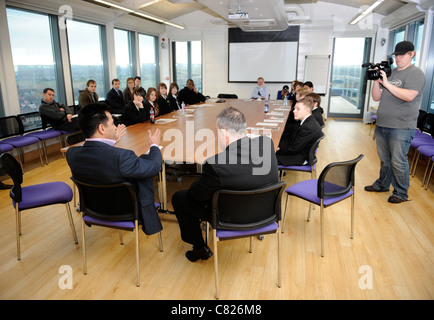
(317, 111)
(58, 115)
(135, 111)
(234, 168)
(115, 98)
(295, 85)
(129, 91)
(173, 96)
(163, 101)
(151, 101)
(261, 90)
(294, 150)
(292, 123)
(308, 85)
(138, 85)
(99, 162)
(88, 95)
(189, 94)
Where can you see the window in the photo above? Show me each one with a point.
(412, 32)
(85, 54)
(148, 61)
(123, 57)
(34, 61)
(188, 63)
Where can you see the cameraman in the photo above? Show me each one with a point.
(399, 97)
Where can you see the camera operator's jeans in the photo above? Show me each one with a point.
(392, 148)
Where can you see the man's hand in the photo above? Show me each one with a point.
(69, 117)
(155, 137)
(121, 130)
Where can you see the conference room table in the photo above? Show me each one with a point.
(190, 136)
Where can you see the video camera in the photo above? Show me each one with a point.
(373, 72)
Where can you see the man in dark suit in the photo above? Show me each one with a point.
(115, 98)
(99, 162)
(294, 149)
(189, 94)
(244, 164)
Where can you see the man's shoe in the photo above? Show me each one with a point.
(395, 199)
(195, 255)
(372, 189)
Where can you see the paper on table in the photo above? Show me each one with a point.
(164, 121)
(272, 124)
(273, 120)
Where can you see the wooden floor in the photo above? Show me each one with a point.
(391, 256)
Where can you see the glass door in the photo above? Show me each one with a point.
(348, 84)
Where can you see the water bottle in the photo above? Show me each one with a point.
(183, 106)
(266, 106)
(285, 101)
(152, 115)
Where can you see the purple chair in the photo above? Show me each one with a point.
(427, 151)
(430, 172)
(112, 206)
(44, 194)
(335, 183)
(240, 214)
(33, 127)
(11, 133)
(309, 167)
(417, 143)
(373, 121)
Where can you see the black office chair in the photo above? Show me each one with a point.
(335, 183)
(240, 214)
(35, 196)
(227, 96)
(112, 206)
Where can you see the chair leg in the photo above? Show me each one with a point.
(352, 215)
(121, 238)
(310, 211)
(71, 223)
(44, 145)
(429, 176)
(137, 252)
(322, 227)
(426, 172)
(216, 266)
(251, 245)
(83, 239)
(279, 261)
(284, 213)
(160, 240)
(415, 164)
(18, 227)
(40, 154)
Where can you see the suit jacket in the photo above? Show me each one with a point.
(189, 96)
(174, 104)
(99, 163)
(164, 105)
(132, 115)
(294, 150)
(317, 113)
(85, 98)
(237, 168)
(116, 101)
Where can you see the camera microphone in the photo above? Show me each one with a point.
(367, 64)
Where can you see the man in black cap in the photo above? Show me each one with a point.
(400, 96)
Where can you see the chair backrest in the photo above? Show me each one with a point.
(111, 202)
(421, 119)
(313, 150)
(14, 170)
(337, 178)
(227, 96)
(247, 209)
(75, 138)
(429, 124)
(31, 121)
(9, 126)
(279, 95)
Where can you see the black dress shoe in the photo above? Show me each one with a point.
(203, 253)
